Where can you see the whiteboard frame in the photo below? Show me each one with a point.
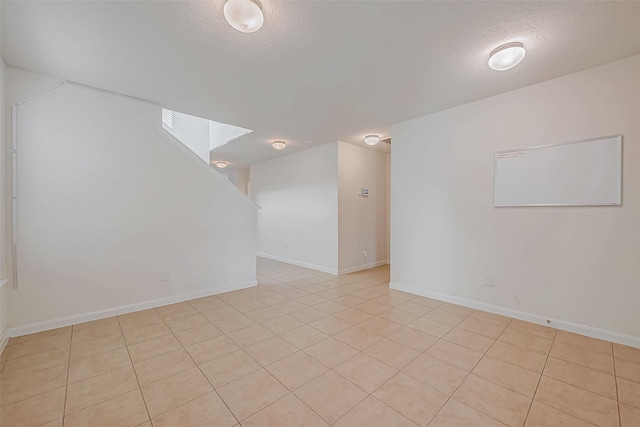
(619, 195)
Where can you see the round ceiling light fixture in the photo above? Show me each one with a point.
(244, 15)
(221, 164)
(507, 56)
(279, 145)
(371, 139)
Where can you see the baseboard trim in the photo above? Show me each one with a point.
(4, 339)
(298, 263)
(564, 325)
(116, 311)
(362, 267)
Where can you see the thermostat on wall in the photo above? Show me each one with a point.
(365, 192)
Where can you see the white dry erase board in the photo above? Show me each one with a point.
(580, 173)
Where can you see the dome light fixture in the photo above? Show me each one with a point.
(507, 56)
(244, 15)
(279, 145)
(371, 139)
(221, 164)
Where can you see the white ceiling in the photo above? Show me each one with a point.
(318, 70)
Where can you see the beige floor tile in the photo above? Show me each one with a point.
(495, 319)
(136, 336)
(249, 305)
(288, 411)
(304, 336)
(234, 323)
(457, 414)
(296, 370)
(435, 373)
(455, 308)
(34, 411)
(629, 392)
(628, 370)
(282, 324)
(487, 329)
(372, 412)
(330, 325)
(331, 307)
(80, 369)
(454, 354)
(274, 299)
(380, 326)
(589, 359)
(211, 349)
(308, 314)
(513, 377)
(398, 316)
(229, 367)
(222, 313)
(413, 338)
(365, 372)
(414, 308)
(289, 306)
(252, 393)
(372, 308)
(163, 366)
(427, 302)
(496, 401)
(16, 388)
(585, 343)
(250, 335)
(41, 345)
(207, 410)
(411, 398)
(541, 415)
(391, 353)
(358, 338)
(312, 299)
(526, 340)
(350, 300)
(469, 339)
(629, 416)
(445, 316)
(127, 409)
(431, 327)
(353, 316)
(56, 423)
(29, 364)
(108, 322)
(100, 388)
(174, 311)
(186, 322)
(164, 395)
(626, 352)
(270, 350)
(138, 320)
(264, 314)
(330, 396)
(518, 356)
(581, 376)
(207, 303)
(152, 348)
(541, 331)
(575, 401)
(39, 335)
(94, 347)
(197, 334)
(330, 352)
(103, 330)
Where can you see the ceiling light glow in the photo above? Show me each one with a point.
(507, 56)
(279, 145)
(244, 15)
(221, 164)
(371, 139)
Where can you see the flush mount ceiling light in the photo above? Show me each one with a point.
(506, 56)
(244, 15)
(371, 139)
(279, 145)
(221, 165)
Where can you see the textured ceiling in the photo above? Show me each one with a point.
(318, 70)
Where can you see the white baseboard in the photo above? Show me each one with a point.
(4, 339)
(589, 331)
(116, 311)
(298, 263)
(362, 267)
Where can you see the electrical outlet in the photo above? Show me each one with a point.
(490, 281)
(365, 253)
(164, 276)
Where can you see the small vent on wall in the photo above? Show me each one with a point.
(167, 118)
(386, 140)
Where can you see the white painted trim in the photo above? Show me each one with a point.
(4, 339)
(116, 311)
(589, 331)
(362, 267)
(299, 263)
(3, 282)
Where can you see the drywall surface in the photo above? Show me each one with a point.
(575, 264)
(362, 220)
(5, 244)
(193, 132)
(298, 194)
(113, 212)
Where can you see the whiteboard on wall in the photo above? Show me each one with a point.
(580, 173)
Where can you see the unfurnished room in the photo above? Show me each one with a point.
(279, 213)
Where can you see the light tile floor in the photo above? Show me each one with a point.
(309, 349)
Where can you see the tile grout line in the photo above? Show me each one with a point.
(66, 386)
(535, 392)
(615, 379)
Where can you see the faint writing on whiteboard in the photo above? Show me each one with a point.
(510, 155)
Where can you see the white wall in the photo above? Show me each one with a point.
(298, 194)
(108, 202)
(4, 238)
(362, 221)
(577, 265)
(193, 132)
